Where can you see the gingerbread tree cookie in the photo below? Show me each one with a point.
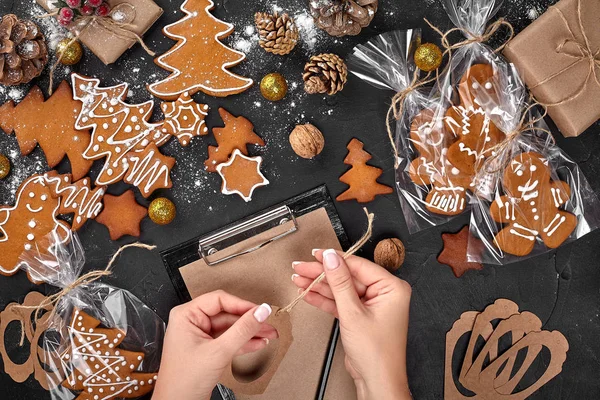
(236, 135)
(361, 178)
(199, 61)
(122, 136)
(241, 175)
(184, 118)
(50, 123)
(32, 218)
(97, 368)
(531, 206)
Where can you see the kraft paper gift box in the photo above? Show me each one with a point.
(558, 57)
(109, 46)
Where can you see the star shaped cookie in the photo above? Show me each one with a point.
(122, 215)
(454, 253)
(241, 175)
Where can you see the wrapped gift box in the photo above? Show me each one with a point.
(106, 45)
(558, 56)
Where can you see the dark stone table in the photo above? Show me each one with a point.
(562, 287)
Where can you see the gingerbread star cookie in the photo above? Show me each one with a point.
(241, 175)
(454, 253)
(184, 118)
(122, 215)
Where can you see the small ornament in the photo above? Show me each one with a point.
(325, 73)
(23, 51)
(428, 57)
(4, 166)
(389, 253)
(273, 86)
(307, 141)
(69, 51)
(162, 211)
(343, 17)
(278, 34)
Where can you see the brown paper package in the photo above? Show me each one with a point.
(264, 276)
(537, 54)
(107, 46)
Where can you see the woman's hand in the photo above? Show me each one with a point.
(202, 338)
(372, 306)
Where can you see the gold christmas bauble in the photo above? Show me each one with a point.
(428, 57)
(4, 166)
(71, 51)
(162, 211)
(273, 86)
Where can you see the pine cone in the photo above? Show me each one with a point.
(325, 73)
(278, 34)
(23, 51)
(343, 17)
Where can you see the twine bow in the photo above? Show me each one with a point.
(351, 251)
(584, 53)
(85, 279)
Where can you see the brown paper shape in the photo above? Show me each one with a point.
(257, 385)
(107, 46)
(535, 52)
(264, 276)
(20, 372)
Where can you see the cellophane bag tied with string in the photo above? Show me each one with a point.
(387, 62)
(531, 197)
(102, 342)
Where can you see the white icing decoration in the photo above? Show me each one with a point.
(557, 221)
(257, 160)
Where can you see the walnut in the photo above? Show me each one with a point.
(389, 253)
(307, 141)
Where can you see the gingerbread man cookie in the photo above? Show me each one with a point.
(531, 206)
(31, 218)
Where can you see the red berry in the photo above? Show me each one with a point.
(63, 22)
(73, 3)
(94, 3)
(87, 10)
(66, 14)
(103, 10)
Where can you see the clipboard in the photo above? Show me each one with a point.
(219, 259)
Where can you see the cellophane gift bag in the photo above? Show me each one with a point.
(102, 342)
(531, 196)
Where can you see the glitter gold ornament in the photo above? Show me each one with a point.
(162, 211)
(4, 166)
(273, 86)
(71, 51)
(428, 57)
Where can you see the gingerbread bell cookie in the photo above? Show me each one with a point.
(531, 206)
(199, 61)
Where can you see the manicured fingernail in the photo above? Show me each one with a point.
(294, 276)
(262, 312)
(331, 259)
(296, 263)
(315, 251)
(266, 341)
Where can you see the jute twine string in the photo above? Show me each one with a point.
(85, 279)
(351, 251)
(119, 29)
(586, 53)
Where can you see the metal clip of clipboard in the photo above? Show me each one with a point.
(214, 243)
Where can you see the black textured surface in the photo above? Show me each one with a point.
(561, 287)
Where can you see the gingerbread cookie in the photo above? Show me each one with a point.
(454, 253)
(97, 367)
(50, 123)
(531, 206)
(122, 215)
(199, 61)
(238, 133)
(361, 178)
(241, 175)
(184, 118)
(32, 218)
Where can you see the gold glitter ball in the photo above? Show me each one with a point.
(273, 86)
(162, 211)
(71, 52)
(4, 166)
(428, 57)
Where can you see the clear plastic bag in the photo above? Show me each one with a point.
(531, 197)
(101, 341)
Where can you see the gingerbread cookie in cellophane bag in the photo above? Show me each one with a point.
(531, 197)
(419, 140)
(102, 342)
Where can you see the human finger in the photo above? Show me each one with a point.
(364, 271)
(321, 288)
(322, 303)
(244, 329)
